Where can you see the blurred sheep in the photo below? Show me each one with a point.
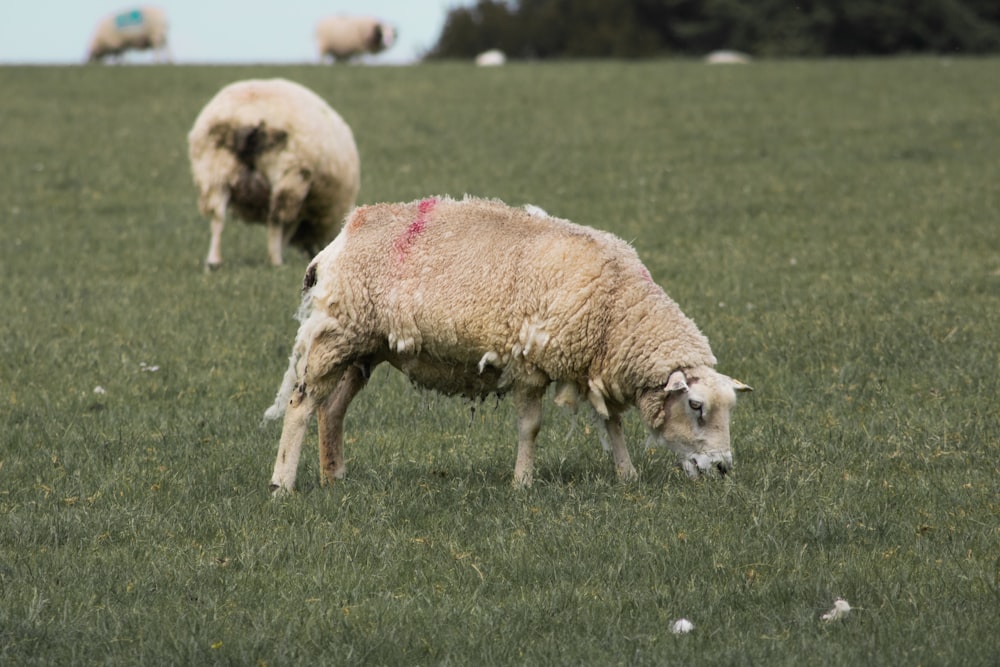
(727, 58)
(343, 37)
(272, 151)
(141, 29)
(491, 58)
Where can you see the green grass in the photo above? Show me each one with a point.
(831, 225)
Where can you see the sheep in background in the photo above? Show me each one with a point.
(491, 58)
(343, 37)
(142, 28)
(726, 57)
(475, 298)
(272, 151)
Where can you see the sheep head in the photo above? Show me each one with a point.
(690, 414)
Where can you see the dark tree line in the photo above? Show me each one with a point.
(646, 28)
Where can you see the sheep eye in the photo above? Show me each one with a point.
(695, 405)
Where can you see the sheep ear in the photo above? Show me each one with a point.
(676, 383)
(739, 386)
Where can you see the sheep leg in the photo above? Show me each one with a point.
(283, 218)
(529, 421)
(214, 259)
(332, 464)
(619, 450)
(275, 242)
(297, 415)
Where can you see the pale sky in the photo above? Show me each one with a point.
(215, 31)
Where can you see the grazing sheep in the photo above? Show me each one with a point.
(271, 151)
(491, 58)
(475, 298)
(141, 28)
(343, 37)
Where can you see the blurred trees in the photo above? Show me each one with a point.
(643, 28)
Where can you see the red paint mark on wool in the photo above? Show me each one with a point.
(415, 228)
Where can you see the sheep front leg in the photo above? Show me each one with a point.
(619, 450)
(529, 421)
(297, 415)
(332, 463)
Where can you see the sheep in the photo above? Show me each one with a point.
(272, 151)
(727, 57)
(472, 297)
(342, 37)
(491, 58)
(141, 28)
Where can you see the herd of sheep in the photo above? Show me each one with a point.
(422, 286)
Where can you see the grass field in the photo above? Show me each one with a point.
(832, 226)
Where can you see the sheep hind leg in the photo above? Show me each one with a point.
(277, 238)
(332, 464)
(529, 422)
(287, 198)
(214, 259)
(619, 450)
(297, 416)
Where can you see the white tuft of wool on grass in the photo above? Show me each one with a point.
(682, 626)
(840, 610)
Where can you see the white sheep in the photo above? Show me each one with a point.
(342, 37)
(727, 57)
(474, 298)
(491, 58)
(272, 151)
(141, 28)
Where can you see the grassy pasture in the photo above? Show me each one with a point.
(833, 227)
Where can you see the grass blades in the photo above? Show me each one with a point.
(831, 226)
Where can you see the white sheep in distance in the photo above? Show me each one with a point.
(343, 37)
(141, 28)
(272, 151)
(726, 57)
(491, 58)
(474, 298)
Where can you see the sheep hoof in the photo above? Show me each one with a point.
(522, 483)
(278, 491)
(628, 474)
(212, 266)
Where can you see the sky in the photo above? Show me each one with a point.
(215, 31)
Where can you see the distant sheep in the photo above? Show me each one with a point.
(491, 58)
(726, 57)
(474, 298)
(140, 29)
(344, 37)
(271, 151)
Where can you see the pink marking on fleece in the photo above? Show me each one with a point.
(648, 278)
(415, 229)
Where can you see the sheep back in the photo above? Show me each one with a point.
(255, 135)
(473, 296)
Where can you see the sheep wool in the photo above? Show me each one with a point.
(343, 37)
(473, 298)
(272, 151)
(140, 29)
